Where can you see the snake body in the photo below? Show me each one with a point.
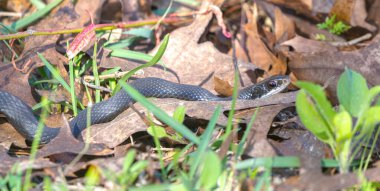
(21, 117)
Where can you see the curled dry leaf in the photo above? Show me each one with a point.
(261, 53)
(81, 41)
(222, 87)
(284, 27)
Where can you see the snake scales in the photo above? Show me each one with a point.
(21, 117)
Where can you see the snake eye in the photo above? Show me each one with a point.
(272, 84)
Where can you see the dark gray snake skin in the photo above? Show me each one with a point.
(23, 120)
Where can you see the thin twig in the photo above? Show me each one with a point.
(99, 27)
(114, 75)
(96, 87)
(10, 14)
(352, 42)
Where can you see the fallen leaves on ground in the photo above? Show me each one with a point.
(273, 37)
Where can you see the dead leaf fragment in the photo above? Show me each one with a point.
(258, 51)
(324, 67)
(353, 12)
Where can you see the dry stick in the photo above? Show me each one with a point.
(109, 76)
(96, 87)
(352, 42)
(10, 14)
(99, 27)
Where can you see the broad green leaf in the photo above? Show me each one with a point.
(343, 126)
(323, 105)
(372, 94)
(352, 91)
(179, 114)
(371, 118)
(312, 119)
(211, 170)
(157, 131)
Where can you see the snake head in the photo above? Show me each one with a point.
(274, 85)
(265, 88)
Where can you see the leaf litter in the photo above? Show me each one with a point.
(272, 41)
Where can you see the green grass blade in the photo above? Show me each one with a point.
(160, 114)
(283, 162)
(38, 4)
(154, 60)
(21, 23)
(55, 73)
(130, 54)
(205, 140)
(72, 89)
(240, 147)
(96, 73)
(35, 143)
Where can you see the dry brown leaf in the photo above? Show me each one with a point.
(353, 12)
(304, 45)
(299, 141)
(284, 27)
(324, 67)
(222, 87)
(327, 183)
(7, 162)
(374, 14)
(124, 125)
(191, 62)
(257, 143)
(66, 143)
(258, 51)
(300, 6)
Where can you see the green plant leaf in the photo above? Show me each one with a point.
(54, 72)
(343, 126)
(92, 176)
(128, 160)
(371, 118)
(25, 21)
(157, 131)
(352, 91)
(141, 32)
(211, 170)
(312, 119)
(179, 114)
(323, 105)
(160, 114)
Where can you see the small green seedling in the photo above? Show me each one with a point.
(348, 129)
(333, 26)
(159, 132)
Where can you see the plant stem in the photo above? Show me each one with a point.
(99, 27)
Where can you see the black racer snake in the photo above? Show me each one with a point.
(21, 117)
